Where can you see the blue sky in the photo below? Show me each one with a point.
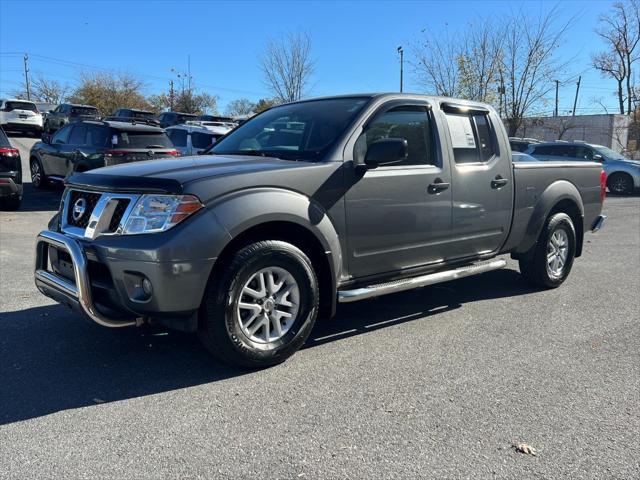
(354, 43)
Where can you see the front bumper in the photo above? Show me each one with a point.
(106, 288)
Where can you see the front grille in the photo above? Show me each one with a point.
(118, 213)
(90, 201)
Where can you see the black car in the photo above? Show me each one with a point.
(10, 175)
(168, 119)
(521, 144)
(216, 118)
(69, 113)
(134, 115)
(86, 145)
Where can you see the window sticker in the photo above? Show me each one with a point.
(114, 140)
(461, 131)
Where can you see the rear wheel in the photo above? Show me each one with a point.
(549, 262)
(620, 183)
(38, 178)
(262, 307)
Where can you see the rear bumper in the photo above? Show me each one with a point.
(108, 290)
(598, 223)
(22, 127)
(9, 187)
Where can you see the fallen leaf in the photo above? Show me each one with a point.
(527, 449)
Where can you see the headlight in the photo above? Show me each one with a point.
(157, 213)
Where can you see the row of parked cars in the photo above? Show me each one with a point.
(75, 138)
(623, 174)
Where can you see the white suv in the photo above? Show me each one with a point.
(20, 115)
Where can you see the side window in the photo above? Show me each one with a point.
(472, 137)
(78, 135)
(97, 136)
(201, 140)
(584, 153)
(62, 135)
(409, 122)
(178, 136)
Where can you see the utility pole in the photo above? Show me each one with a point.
(575, 102)
(26, 75)
(555, 112)
(171, 95)
(189, 73)
(401, 52)
(501, 93)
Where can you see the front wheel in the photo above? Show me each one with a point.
(549, 262)
(262, 307)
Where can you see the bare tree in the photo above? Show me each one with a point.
(528, 62)
(436, 65)
(287, 66)
(44, 90)
(620, 30)
(108, 92)
(479, 63)
(240, 106)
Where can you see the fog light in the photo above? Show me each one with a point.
(147, 287)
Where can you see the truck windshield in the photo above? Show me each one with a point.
(298, 131)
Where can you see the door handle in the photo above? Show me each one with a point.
(438, 186)
(498, 182)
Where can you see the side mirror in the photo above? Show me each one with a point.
(46, 138)
(598, 158)
(386, 152)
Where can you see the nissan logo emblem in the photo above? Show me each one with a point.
(78, 209)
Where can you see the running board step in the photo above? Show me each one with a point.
(346, 296)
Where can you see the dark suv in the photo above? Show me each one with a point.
(134, 115)
(168, 119)
(85, 145)
(69, 113)
(10, 175)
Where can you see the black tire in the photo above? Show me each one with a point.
(38, 177)
(11, 203)
(620, 183)
(220, 319)
(535, 267)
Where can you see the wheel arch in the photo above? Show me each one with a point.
(560, 196)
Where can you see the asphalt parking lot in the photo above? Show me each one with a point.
(440, 382)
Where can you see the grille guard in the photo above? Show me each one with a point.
(81, 290)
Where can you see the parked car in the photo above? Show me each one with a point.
(10, 175)
(133, 115)
(69, 113)
(375, 194)
(168, 119)
(191, 139)
(623, 174)
(20, 116)
(217, 128)
(218, 118)
(521, 144)
(85, 145)
(522, 157)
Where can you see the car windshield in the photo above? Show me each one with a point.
(21, 106)
(610, 154)
(139, 139)
(298, 131)
(134, 114)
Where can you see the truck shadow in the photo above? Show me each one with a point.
(35, 200)
(51, 360)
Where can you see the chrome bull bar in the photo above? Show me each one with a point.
(81, 290)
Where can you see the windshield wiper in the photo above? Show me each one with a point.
(155, 146)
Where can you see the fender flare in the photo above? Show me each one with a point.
(242, 210)
(555, 193)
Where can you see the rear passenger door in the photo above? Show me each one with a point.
(482, 181)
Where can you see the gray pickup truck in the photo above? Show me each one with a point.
(306, 205)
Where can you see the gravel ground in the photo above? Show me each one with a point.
(440, 382)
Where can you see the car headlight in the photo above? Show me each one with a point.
(157, 213)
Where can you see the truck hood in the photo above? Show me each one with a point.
(173, 174)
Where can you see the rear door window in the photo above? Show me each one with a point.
(62, 135)
(178, 136)
(97, 136)
(472, 137)
(78, 135)
(201, 139)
